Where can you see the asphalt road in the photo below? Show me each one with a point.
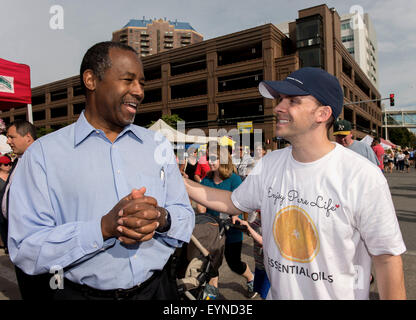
(232, 286)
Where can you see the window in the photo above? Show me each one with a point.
(59, 112)
(235, 55)
(311, 57)
(144, 119)
(235, 111)
(309, 28)
(78, 107)
(344, 88)
(39, 115)
(347, 38)
(309, 35)
(154, 95)
(346, 68)
(345, 26)
(180, 67)
(194, 117)
(59, 94)
(240, 81)
(20, 116)
(189, 89)
(38, 100)
(152, 73)
(78, 91)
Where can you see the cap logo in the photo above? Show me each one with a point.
(295, 80)
(341, 127)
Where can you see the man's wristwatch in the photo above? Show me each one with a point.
(166, 227)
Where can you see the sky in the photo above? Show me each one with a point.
(54, 54)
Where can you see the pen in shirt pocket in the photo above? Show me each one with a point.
(162, 175)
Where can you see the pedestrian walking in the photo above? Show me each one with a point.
(222, 177)
(379, 151)
(400, 160)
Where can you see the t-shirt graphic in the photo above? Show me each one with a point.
(296, 235)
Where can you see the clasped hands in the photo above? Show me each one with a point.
(133, 219)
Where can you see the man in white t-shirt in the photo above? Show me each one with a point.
(327, 213)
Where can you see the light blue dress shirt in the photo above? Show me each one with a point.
(67, 180)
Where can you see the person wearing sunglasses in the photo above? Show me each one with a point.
(5, 166)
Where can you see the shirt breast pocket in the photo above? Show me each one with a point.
(155, 186)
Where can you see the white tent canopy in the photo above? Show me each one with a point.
(179, 137)
(4, 147)
(386, 144)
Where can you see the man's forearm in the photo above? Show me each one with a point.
(215, 199)
(390, 277)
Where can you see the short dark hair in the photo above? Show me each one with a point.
(97, 59)
(23, 128)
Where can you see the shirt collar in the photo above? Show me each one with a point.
(83, 129)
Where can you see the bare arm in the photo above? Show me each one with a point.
(215, 199)
(201, 209)
(390, 277)
(256, 236)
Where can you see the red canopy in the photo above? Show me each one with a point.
(14, 85)
(387, 142)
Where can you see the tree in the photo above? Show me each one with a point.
(402, 137)
(171, 120)
(43, 131)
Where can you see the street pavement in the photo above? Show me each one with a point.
(233, 287)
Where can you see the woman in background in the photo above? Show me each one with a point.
(222, 176)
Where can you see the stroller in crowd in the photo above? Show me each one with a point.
(198, 261)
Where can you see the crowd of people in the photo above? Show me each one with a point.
(399, 159)
(94, 202)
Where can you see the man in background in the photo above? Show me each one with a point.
(343, 136)
(20, 135)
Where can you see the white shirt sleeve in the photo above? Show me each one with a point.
(377, 222)
(248, 196)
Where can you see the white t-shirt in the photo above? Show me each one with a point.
(320, 222)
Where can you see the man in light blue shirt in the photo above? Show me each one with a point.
(343, 136)
(81, 206)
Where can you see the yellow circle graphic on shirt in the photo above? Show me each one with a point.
(295, 235)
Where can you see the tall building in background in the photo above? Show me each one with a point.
(213, 84)
(359, 38)
(149, 37)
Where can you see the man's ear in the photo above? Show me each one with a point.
(323, 114)
(29, 138)
(90, 80)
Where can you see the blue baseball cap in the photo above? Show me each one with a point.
(308, 81)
